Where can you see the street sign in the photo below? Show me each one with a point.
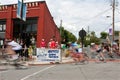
(110, 31)
(21, 10)
(24, 12)
(82, 33)
(19, 7)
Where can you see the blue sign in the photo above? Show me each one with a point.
(53, 53)
(19, 7)
(24, 12)
(21, 10)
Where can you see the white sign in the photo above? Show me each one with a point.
(48, 55)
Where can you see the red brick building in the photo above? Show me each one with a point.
(39, 23)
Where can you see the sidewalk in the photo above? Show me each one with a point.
(4, 63)
(63, 61)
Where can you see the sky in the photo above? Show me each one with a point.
(91, 15)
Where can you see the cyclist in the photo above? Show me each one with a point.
(15, 46)
(12, 50)
(79, 56)
(100, 56)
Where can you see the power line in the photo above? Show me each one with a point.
(101, 13)
(93, 18)
(107, 28)
(118, 10)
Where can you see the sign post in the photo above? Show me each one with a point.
(119, 41)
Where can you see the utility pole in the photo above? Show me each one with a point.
(61, 40)
(88, 34)
(119, 41)
(88, 29)
(113, 19)
(60, 27)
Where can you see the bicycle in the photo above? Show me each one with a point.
(12, 59)
(80, 58)
(100, 58)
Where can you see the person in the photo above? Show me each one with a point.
(109, 50)
(78, 55)
(52, 44)
(30, 52)
(49, 43)
(100, 55)
(57, 45)
(12, 50)
(15, 46)
(43, 43)
(11, 55)
(24, 52)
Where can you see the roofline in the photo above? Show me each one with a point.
(24, 2)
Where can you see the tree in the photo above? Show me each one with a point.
(67, 36)
(93, 34)
(103, 35)
(116, 33)
(90, 38)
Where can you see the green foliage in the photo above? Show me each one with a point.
(66, 36)
(94, 40)
(103, 35)
(92, 34)
(116, 33)
(90, 38)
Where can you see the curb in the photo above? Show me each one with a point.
(47, 63)
(65, 62)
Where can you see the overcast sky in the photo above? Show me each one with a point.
(78, 14)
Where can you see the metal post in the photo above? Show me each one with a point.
(60, 40)
(22, 9)
(119, 41)
(113, 20)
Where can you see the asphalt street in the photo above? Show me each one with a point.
(91, 71)
(67, 71)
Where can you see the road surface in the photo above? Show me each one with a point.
(91, 71)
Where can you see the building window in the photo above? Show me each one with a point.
(28, 29)
(34, 27)
(31, 28)
(2, 27)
